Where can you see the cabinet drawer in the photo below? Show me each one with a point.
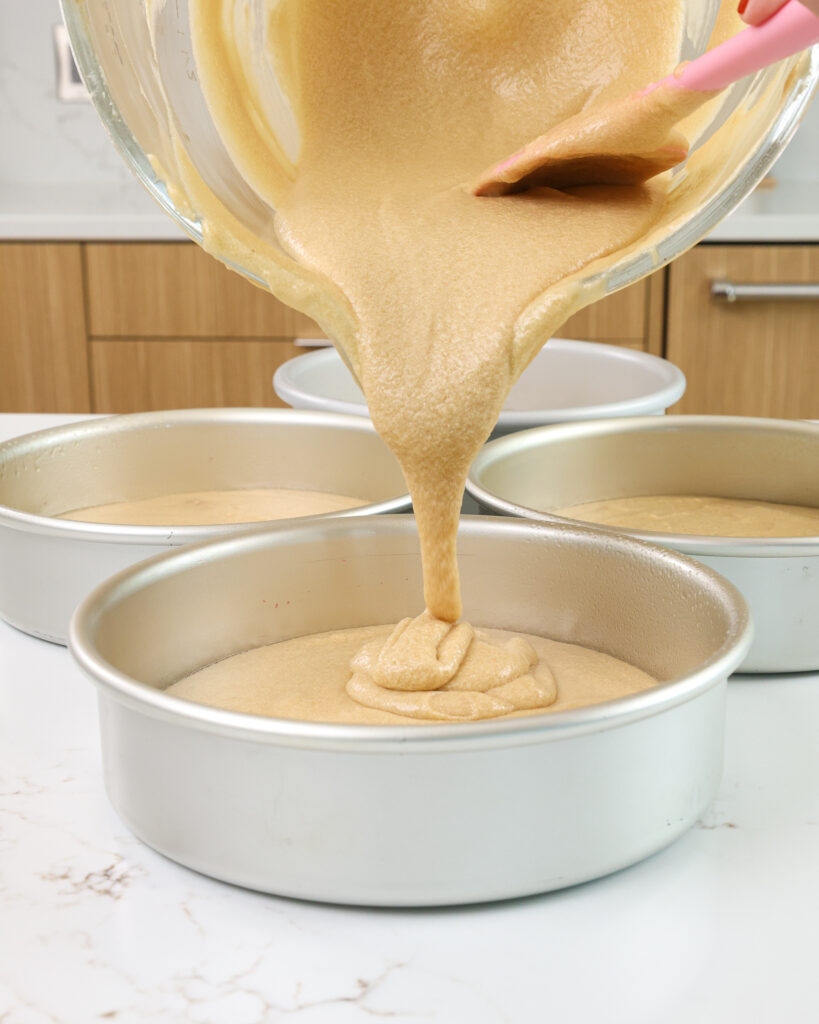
(170, 289)
(154, 290)
(752, 357)
(136, 375)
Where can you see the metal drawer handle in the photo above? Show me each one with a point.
(727, 291)
(313, 343)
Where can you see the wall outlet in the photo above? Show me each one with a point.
(70, 88)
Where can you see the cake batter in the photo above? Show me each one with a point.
(436, 298)
(705, 516)
(309, 678)
(212, 508)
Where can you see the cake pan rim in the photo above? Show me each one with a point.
(50, 437)
(287, 387)
(141, 697)
(689, 544)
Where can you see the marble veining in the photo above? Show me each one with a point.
(95, 927)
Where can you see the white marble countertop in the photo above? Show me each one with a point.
(123, 211)
(723, 926)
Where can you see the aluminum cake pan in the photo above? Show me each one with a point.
(47, 565)
(533, 473)
(411, 815)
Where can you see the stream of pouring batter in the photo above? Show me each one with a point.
(437, 298)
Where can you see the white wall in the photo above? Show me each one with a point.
(800, 161)
(42, 140)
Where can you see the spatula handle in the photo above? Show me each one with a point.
(791, 29)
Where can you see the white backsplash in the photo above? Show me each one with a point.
(800, 161)
(46, 141)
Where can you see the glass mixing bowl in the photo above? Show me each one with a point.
(136, 75)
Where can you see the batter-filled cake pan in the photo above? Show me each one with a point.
(48, 564)
(531, 474)
(411, 814)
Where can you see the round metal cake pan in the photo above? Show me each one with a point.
(411, 815)
(533, 473)
(567, 380)
(47, 564)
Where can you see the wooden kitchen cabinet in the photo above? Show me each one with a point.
(136, 375)
(43, 346)
(749, 357)
(170, 327)
(632, 317)
(153, 290)
(176, 290)
(125, 326)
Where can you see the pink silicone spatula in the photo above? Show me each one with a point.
(634, 138)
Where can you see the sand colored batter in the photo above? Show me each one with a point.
(706, 516)
(447, 296)
(211, 508)
(309, 678)
(624, 142)
(437, 299)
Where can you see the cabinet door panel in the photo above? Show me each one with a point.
(136, 375)
(750, 358)
(175, 289)
(43, 349)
